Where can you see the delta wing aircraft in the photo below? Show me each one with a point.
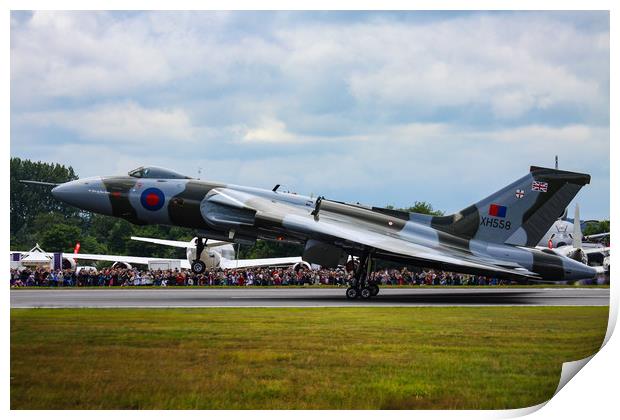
(493, 237)
(566, 238)
(563, 232)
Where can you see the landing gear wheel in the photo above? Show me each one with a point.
(365, 293)
(198, 267)
(352, 293)
(360, 284)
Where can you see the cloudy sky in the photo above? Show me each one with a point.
(381, 108)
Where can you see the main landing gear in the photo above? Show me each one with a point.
(361, 286)
(198, 266)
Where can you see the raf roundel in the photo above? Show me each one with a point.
(152, 199)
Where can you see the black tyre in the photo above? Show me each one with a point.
(365, 293)
(198, 266)
(352, 293)
(374, 289)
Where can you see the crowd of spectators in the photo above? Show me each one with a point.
(107, 277)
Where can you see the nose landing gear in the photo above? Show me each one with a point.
(198, 266)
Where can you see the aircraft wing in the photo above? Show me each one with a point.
(349, 232)
(596, 236)
(100, 257)
(179, 244)
(112, 258)
(596, 250)
(260, 262)
(451, 259)
(121, 258)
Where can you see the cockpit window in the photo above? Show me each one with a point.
(156, 172)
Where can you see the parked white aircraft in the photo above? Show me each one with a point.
(69, 260)
(218, 254)
(561, 233)
(566, 239)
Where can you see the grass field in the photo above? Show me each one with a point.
(494, 357)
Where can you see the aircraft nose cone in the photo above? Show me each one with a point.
(65, 192)
(86, 194)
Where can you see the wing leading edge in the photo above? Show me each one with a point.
(179, 244)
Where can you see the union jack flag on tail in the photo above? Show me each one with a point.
(539, 186)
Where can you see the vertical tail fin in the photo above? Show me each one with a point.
(519, 214)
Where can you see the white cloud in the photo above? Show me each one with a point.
(418, 157)
(567, 136)
(510, 63)
(495, 61)
(274, 131)
(86, 54)
(372, 109)
(77, 54)
(270, 130)
(125, 122)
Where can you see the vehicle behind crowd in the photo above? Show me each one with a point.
(124, 277)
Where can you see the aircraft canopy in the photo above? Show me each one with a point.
(156, 172)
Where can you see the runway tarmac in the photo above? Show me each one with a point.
(297, 297)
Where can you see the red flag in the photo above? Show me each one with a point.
(76, 250)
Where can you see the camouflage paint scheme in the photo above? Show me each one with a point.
(493, 237)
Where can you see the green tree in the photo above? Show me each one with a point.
(424, 208)
(119, 235)
(90, 245)
(100, 226)
(27, 201)
(593, 228)
(264, 249)
(55, 232)
(421, 207)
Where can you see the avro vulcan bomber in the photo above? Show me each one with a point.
(494, 237)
